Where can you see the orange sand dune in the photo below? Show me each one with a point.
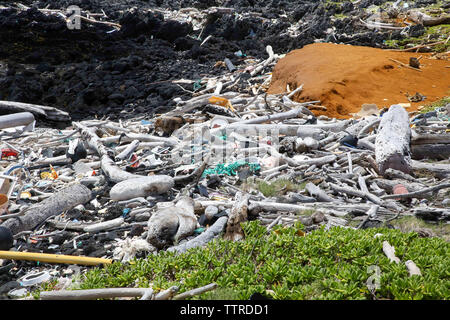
(344, 77)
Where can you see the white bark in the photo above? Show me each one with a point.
(142, 186)
(392, 145)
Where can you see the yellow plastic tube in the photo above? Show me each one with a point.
(53, 258)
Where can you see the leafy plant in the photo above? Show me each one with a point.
(324, 264)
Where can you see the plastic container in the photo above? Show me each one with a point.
(34, 278)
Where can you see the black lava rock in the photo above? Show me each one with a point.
(6, 238)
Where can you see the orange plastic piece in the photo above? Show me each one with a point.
(224, 102)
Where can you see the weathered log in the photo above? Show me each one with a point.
(61, 201)
(49, 113)
(362, 184)
(16, 120)
(426, 20)
(356, 193)
(212, 232)
(255, 129)
(238, 215)
(294, 113)
(426, 138)
(172, 224)
(279, 128)
(93, 142)
(141, 187)
(104, 225)
(335, 127)
(439, 151)
(388, 185)
(392, 145)
(318, 193)
(417, 193)
(308, 131)
(166, 294)
(337, 208)
(371, 214)
(126, 154)
(367, 127)
(194, 292)
(172, 141)
(432, 214)
(440, 170)
(395, 174)
(315, 161)
(113, 172)
(92, 294)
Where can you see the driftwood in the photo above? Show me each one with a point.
(46, 112)
(371, 214)
(432, 214)
(426, 20)
(109, 167)
(128, 137)
(388, 185)
(238, 214)
(104, 225)
(356, 193)
(172, 224)
(126, 154)
(412, 268)
(335, 208)
(393, 140)
(166, 294)
(113, 172)
(389, 251)
(195, 292)
(439, 151)
(141, 187)
(294, 113)
(310, 162)
(212, 232)
(309, 132)
(417, 193)
(93, 294)
(395, 174)
(16, 120)
(93, 141)
(261, 66)
(440, 170)
(424, 138)
(61, 201)
(318, 193)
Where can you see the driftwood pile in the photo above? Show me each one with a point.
(163, 173)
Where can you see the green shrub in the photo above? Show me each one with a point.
(324, 264)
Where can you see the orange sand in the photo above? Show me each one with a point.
(344, 77)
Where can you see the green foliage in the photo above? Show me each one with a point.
(436, 104)
(432, 34)
(330, 264)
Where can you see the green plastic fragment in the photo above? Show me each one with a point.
(231, 169)
(197, 84)
(199, 230)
